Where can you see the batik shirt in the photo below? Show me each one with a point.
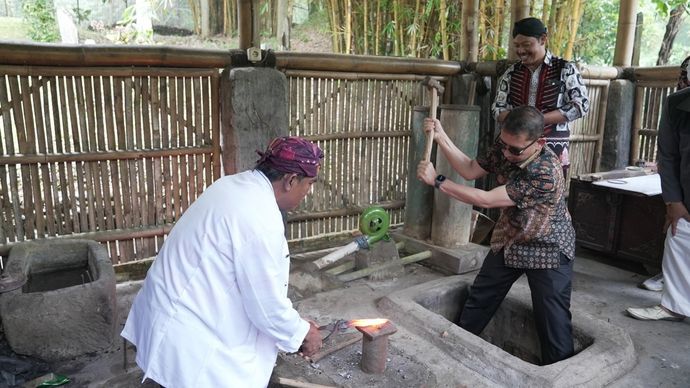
(556, 84)
(538, 228)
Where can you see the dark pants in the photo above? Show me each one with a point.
(550, 300)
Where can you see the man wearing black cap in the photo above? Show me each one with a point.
(213, 310)
(549, 83)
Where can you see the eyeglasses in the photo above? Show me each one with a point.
(513, 150)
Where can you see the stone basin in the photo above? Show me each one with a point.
(67, 307)
(507, 353)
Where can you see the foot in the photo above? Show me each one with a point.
(654, 313)
(655, 283)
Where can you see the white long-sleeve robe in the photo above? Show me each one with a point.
(213, 310)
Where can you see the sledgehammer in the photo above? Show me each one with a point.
(435, 88)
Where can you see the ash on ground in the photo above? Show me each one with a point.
(342, 369)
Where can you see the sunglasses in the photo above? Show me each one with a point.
(513, 150)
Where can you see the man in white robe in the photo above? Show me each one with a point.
(213, 310)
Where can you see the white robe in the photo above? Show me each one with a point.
(676, 269)
(213, 310)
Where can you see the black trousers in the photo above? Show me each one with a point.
(550, 290)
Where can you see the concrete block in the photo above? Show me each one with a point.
(68, 305)
(457, 260)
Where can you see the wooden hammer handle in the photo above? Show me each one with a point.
(430, 135)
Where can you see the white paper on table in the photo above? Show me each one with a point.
(646, 184)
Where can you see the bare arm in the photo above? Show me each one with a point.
(466, 167)
(497, 197)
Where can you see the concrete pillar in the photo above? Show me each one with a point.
(451, 219)
(420, 196)
(253, 111)
(615, 152)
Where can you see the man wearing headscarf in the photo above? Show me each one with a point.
(674, 170)
(213, 310)
(549, 83)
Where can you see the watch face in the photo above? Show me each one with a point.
(441, 178)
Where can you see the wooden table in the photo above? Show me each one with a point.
(622, 224)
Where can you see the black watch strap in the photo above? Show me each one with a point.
(439, 179)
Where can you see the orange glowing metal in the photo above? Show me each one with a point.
(367, 322)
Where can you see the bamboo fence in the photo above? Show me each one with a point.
(113, 144)
(111, 154)
(362, 122)
(652, 86)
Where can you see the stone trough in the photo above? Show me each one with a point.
(507, 353)
(67, 307)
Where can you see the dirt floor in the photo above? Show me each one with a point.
(602, 288)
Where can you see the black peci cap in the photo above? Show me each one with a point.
(529, 27)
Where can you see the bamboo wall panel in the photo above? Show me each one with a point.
(587, 133)
(650, 97)
(89, 153)
(363, 127)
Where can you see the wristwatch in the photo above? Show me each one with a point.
(439, 179)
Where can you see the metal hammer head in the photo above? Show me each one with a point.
(433, 84)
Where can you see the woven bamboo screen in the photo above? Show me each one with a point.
(111, 154)
(587, 133)
(362, 122)
(649, 99)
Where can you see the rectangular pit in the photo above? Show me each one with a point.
(500, 331)
(507, 352)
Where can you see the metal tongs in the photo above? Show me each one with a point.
(340, 325)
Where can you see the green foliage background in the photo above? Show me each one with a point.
(39, 17)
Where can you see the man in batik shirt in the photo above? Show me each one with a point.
(549, 83)
(534, 234)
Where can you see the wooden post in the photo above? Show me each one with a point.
(625, 37)
(452, 219)
(248, 22)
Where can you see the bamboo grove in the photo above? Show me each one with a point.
(413, 28)
(434, 28)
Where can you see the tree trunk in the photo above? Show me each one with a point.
(215, 22)
(499, 17)
(415, 29)
(283, 24)
(377, 35)
(196, 15)
(335, 26)
(545, 11)
(365, 22)
(574, 24)
(205, 17)
(672, 27)
(348, 27)
(443, 14)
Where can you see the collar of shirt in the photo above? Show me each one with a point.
(548, 57)
(530, 159)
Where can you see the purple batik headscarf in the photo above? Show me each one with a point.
(292, 154)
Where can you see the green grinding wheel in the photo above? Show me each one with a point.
(374, 223)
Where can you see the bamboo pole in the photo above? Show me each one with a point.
(123, 61)
(342, 212)
(368, 271)
(625, 36)
(365, 64)
(107, 235)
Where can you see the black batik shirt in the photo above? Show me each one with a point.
(538, 228)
